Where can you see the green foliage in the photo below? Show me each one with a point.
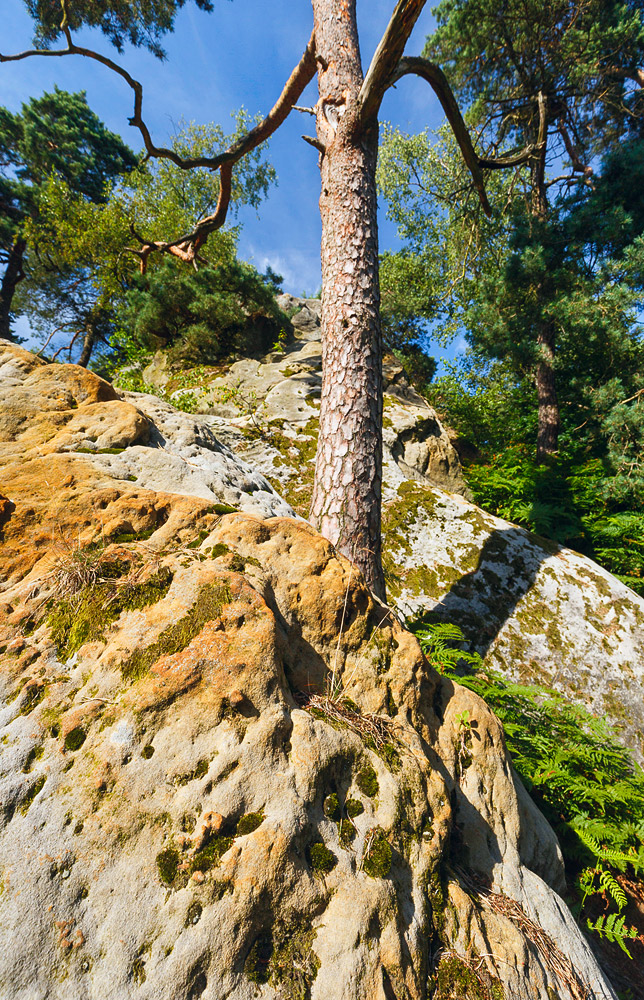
(199, 315)
(569, 502)
(141, 23)
(86, 266)
(613, 927)
(580, 776)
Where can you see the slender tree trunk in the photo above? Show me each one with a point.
(547, 402)
(88, 344)
(347, 492)
(13, 275)
(548, 428)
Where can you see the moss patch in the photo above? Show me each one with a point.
(367, 781)
(86, 617)
(31, 794)
(377, 860)
(249, 822)
(455, 979)
(75, 738)
(34, 754)
(210, 601)
(321, 859)
(284, 957)
(210, 855)
(167, 864)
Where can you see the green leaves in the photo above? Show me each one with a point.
(139, 22)
(580, 776)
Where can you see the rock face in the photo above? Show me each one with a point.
(183, 817)
(225, 771)
(267, 411)
(534, 610)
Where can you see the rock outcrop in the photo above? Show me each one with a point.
(268, 412)
(225, 770)
(535, 611)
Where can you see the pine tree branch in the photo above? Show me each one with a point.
(433, 74)
(387, 56)
(187, 246)
(529, 152)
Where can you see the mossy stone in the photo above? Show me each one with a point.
(331, 807)
(367, 781)
(167, 864)
(353, 807)
(377, 860)
(321, 859)
(75, 738)
(147, 751)
(31, 794)
(249, 822)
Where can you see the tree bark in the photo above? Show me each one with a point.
(346, 497)
(547, 401)
(88, 345)
(12, 277)
(548, 427)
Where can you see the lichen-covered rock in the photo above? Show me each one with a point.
(268, 411)
(185, 813)
(536, 611)
(61, 420)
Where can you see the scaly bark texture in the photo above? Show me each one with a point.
(13, 275)
(346, 499)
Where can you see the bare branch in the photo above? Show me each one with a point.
(433, 74)
(529, 152)
(187, 246)
(387, 56)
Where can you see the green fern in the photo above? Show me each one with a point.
(580, 776)
(614, 928)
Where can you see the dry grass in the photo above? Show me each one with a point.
(559, 966)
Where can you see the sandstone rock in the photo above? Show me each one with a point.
(536, 611)
(167, 845)
(271, 418)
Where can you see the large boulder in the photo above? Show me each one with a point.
(225, 769)
(537, 612)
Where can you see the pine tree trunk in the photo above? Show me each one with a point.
(547, 402)
(346, 505)
(13, 275)
(548, 428)
(88, 344)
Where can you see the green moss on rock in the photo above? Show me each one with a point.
(367, 781)
(167, 864)
(31, 794)
(249, 822)
(456, 979)
(321, 859)
(210, 600)
(85, 617)
(75, 738)
(377, 860)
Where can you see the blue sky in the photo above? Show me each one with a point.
(241, 54)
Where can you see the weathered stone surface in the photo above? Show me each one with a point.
(67, 422)
(271, 419)
(536, 611)
(163, 790)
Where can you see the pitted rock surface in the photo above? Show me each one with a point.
(165, 788)
(65, 420)
(536, 611)
(283, 391)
